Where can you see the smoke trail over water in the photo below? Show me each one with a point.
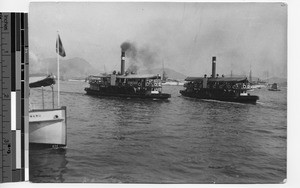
(145, 57)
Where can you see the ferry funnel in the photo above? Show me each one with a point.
(122, 62)
(213, 75)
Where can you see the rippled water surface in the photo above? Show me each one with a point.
(181, 140)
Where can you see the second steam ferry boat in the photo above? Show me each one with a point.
(126, 85)
(231, 89)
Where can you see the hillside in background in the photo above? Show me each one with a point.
(171, 74)
(280, 81)
(74, 68)
(78, 68)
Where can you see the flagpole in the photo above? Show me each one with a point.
(57, 46)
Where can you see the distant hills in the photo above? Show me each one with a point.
(279, 81)
(74, 68)
(79, 68)
(170, 73)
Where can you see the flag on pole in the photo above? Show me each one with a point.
(59, 47)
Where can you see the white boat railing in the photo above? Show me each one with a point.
(39, 106)
(42, 105)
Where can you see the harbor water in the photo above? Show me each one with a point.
(180, 140)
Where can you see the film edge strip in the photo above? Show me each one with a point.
(14, 97)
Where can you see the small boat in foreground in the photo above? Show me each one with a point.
(47, 127)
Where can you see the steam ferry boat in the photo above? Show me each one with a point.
(231, 89)
(125, 84)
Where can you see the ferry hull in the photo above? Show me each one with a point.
(130, 95)
(238, 99)
(48, 127)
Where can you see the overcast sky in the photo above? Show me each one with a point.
(182, 35)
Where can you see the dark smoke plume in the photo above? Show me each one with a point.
(143, 57)
(126, 45)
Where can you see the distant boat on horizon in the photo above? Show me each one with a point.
(76, 80)
(171, 82)
(168, 81)
(256, 84)
(274, 87)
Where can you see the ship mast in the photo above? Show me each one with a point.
(231, 69)
(250, 75)
(57, 57)
(163, 66)
(104, 69)
(164, 72)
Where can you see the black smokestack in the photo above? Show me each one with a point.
(145, 56)
(129, 49)
(122, 62)
(124, 47)
(213, 75)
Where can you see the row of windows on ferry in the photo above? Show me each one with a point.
(217, 85)
(106, 81)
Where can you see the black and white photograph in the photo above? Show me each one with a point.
(158, 92)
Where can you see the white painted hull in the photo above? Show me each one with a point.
(48, 126)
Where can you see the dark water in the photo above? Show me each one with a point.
(177, 141)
